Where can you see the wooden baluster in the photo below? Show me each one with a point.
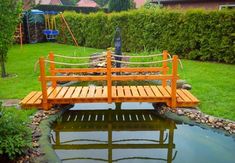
(164, 66)
(43, 83)
(109, 81)
(52, 68)
(173, 81)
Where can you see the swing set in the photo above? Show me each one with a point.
(51, 28)
(50, 25)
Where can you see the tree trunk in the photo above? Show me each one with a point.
(4, 74)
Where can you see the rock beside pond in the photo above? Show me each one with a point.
(211, 119)
(192, 116)
(180, 112)
(231, 125)
(227, 128)
(180, 83)
(187, 86)
(35, 145)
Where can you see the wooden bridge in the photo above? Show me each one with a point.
(109, 93)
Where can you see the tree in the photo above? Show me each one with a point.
(120, 5)
(149, 5)
(9, 18)
(101, 2)
(74, 2)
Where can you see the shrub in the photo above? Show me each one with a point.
(193, 34)
(15, 136)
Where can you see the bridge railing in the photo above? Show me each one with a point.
(107, 74)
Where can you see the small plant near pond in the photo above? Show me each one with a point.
(15, 135)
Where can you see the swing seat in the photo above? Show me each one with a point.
(55, 32)
(47, 32)
(50, 32)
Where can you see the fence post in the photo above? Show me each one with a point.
(52, 68)
(164, 66)
(173, 81)
(43, 83)
(109, 73)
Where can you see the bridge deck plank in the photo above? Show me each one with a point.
(62, 92)
(156, 91)
(127, 91)
(163, 91)
(149, 91)
(76, 92)
(104, 94)
(120, 92)
(69, 92)
(141, 91)
(54, 93)
(183, 96)
(65, 95)
(84, 92)
(35, 98)
(91, 92)
(98, 92)
(134, 91)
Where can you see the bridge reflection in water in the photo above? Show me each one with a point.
(110, 122)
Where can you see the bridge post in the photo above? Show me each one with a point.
(52, 68)
(173, 81)
(109, 73)
(164, 66)
(43, 83)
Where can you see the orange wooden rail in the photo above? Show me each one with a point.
(108, 76)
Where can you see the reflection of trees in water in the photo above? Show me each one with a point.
(115, 120)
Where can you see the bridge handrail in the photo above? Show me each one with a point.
(139, 56)
(109, 77)
(104, 70)
(72, 64)
(79, 57)
(138, 63)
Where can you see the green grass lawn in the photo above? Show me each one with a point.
(213, 83)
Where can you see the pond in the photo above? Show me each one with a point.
(134, 132)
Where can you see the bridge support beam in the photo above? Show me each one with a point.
(109, 74)
(173, 81)
(164, 66)
(45, 104)
(52, 68)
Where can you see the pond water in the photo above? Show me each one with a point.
(134, 132)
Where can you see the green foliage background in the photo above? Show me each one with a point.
(193, 34)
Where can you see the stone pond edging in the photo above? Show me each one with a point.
(194, 116)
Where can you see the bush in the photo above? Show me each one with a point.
(193, 34)
(15, 136)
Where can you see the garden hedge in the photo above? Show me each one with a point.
(193, 34)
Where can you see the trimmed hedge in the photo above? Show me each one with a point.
(59, 8)
(193, 34)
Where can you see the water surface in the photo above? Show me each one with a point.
(134, 132)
